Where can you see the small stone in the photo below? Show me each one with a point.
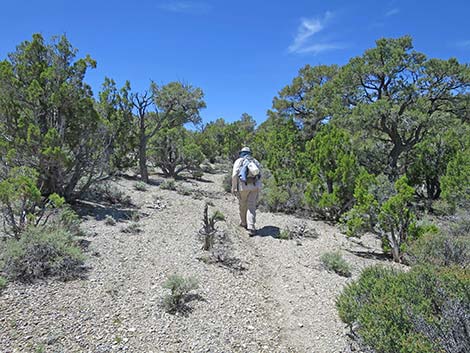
(249, 327)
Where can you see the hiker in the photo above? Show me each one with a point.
(246, 185)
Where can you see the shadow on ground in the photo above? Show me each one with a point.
(268, 231)
(100, 212)
(371, 255)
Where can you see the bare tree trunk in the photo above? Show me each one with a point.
(144, 175)
(393, 162)
(394, 244)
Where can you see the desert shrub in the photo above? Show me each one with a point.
(440, 249)
(397, 219)
(132, 228)
(109, 220)
(285, 234)
(461, 225)
(66, 218)
(183, 190)
(227, 181)
(441, 207)
(42, 252)
(3, 283)
(197, 173)
(363, 216)
(383, 306)
(108, 193)
(298, 231)
(450, 332)
(456, 182)
(168, 185)
(21, 203)
(140, 186)
(179, 287)
(287, 198)
(334, 262)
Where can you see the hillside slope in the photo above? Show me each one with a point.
(270, 295)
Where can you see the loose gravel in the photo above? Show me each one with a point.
(263, 295)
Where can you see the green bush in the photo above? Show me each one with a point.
(140, 186)
(456, 182)
(3, 283)
(333, 173)
(67, 219)
(179, 287)
(397, 219)
(21, 202)
(168, 185)
(461, 225)
(109, 220)
(287, 197)
(183, 190)
(363, 216)
(227, 181)
(285, 234)
(42, 252)
(440, 250)
(387, 309)
(334, 262)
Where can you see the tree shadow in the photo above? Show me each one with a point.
(100, 212)
(371, 255)
(183, 308)
(155, 182)
(202, 180)
(268, 231)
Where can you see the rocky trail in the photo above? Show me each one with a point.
(267, 294)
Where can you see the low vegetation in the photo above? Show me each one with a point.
(168, 185)
(132, 228)
(42, 252)
(208, 229)
(109, 220)
(180, 289)
(393, 311)
(140, 186)
(334, 262)
(3, 283)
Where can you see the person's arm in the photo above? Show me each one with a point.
(236, 166)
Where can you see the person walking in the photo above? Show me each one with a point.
(246, 186)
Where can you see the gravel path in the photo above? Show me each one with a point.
(277, 298)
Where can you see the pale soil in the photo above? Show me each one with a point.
(282, 301)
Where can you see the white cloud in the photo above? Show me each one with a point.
(191, 7)
(463, 44)
(319, 48)
(307, 29)
(392, 12)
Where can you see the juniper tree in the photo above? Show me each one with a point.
(47, 116)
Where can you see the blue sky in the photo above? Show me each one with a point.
(241, 53)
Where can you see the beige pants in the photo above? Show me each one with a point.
(247, 203)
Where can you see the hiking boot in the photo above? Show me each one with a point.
(251, 232)
(243, 225)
